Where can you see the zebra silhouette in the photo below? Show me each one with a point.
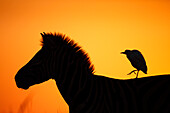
(61, 59)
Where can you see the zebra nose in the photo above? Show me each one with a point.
(20, 82)
(17, 82)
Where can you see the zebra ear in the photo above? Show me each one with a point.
(47, 40)
(44, 37)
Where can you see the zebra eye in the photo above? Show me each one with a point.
(71, 62)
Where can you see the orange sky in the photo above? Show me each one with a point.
(103, 28)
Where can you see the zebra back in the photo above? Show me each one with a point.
(107, 95)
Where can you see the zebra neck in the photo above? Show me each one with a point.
(71, 85)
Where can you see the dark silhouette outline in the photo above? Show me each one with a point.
(61, 59)
(137, 60)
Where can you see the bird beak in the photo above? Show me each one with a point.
(122, 53)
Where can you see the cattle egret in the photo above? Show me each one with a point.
(137, 60)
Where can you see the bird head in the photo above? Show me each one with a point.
(126, 52)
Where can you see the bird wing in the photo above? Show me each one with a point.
(137, 60)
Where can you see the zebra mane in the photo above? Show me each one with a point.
(57, 40)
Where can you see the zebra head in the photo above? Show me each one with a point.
(59, 56)
(35, 71)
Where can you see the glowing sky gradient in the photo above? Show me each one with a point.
(103, 28)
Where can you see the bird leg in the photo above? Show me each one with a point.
(132, 72)
(137, 74)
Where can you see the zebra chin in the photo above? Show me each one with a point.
(22, 85)
(21, 82)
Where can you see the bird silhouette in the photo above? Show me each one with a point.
(137, 60)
